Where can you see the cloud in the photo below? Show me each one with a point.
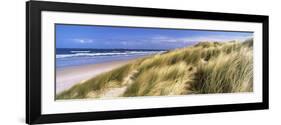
(166, 39)
(83, 41)
(218, 38)
(124, 43)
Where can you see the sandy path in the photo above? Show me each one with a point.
(114, 92)
(67, 77)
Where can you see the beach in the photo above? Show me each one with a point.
(69, 76)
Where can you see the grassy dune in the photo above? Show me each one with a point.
(208, 67)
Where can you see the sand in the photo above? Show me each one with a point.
(67, 77)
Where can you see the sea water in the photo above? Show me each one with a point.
(67, 57)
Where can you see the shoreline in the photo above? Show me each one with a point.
(68, 77)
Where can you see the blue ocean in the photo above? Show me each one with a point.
(67, 57)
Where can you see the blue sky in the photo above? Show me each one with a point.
(101, 37)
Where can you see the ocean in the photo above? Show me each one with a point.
(67, 57)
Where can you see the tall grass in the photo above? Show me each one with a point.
(208, 67)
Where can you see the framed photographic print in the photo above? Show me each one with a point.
(95, 62)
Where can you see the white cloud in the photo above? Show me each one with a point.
(159, 39)
(218, 38)
(124, 43)
(83, 40)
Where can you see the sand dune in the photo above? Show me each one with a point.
(207, 67)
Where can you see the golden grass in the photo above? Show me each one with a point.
(208, 67)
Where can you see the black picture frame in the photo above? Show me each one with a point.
(33, 61)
